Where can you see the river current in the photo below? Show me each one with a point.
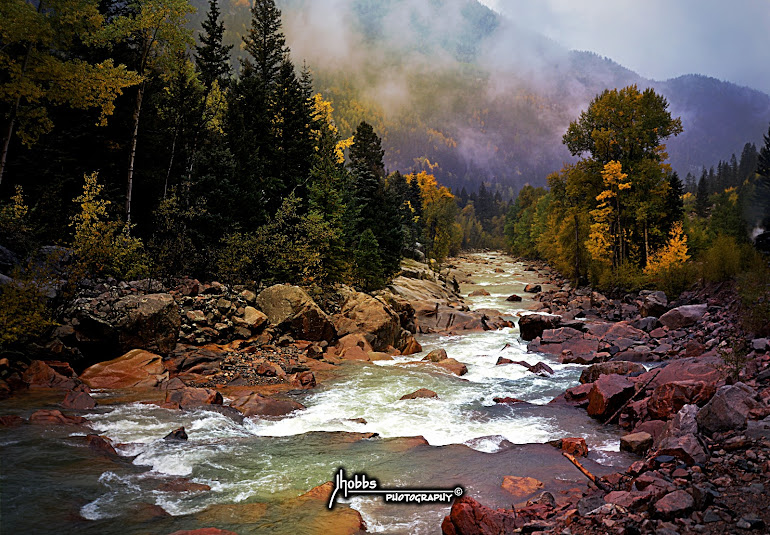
(51, 483)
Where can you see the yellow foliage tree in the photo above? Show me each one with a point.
(673, 255)
(439, 210)
(606, 238)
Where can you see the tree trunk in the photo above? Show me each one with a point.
(132, 155)
(577, 253)
(170, 162)
(646, 245)
(15, 110)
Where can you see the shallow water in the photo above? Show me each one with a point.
(51, 483)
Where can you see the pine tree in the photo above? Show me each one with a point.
(212, 57)
(674, 206)
(366, 152)
(702, 195)
(265, 43)
(762, 192)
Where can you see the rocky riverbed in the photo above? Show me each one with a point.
(203, 406)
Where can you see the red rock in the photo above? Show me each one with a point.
(101, 445)
(503, 360)
(629, 500)
(355, 353)
(693, 348)
(608, 394)
(728, 409)
(265, 370)
(182, 484)
(652, 486)
(667, 399)
(514, 299)
(521, 487)
(146, 512)
(148, 322)
(411, 347)
(188, 397)
(654, 427)
(437, 355)
(62, 368)
(696, 369)
(638, 443)
(421, 393)
(620, 367)
(372, 318)
(79, 401)
(41, 375)
(683, 316)
(177, 435)
(469, 517)
(454, 366)
(255, 405)
(54, 417)
(533, 325)
(675, 504)
(303, 380)
(533, 288)
(292, 306)
(508, 400)
(575, 446)
(479, 293)
(686, 448)
(11, 420)
(135, 369)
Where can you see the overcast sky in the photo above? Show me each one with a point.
(659, 39)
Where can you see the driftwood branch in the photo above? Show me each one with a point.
(592, 478)
(632, 398)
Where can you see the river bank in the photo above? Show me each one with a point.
(251, 454)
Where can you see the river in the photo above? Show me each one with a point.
(51, 483)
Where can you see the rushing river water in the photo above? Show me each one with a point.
(51, 483)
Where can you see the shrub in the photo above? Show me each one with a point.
(15, 230)
(754, 292)
(24, 312)
(721, 261)
(103, 247)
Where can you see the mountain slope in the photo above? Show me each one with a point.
(457, 89)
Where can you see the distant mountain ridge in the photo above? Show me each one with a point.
(457, 89)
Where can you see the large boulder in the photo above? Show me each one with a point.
(40, 375)
(374, 319)
(608, 394)
(135, 369)
(256, 405)
(652, 303)
(728, 409)
(570, 345)
(683, 316)
(469, 517)
(290, 306)
(532, 325)
(148, 322)
(188, 398)
(703, 368)
(667, 399)
(619, 367)
(420, 393)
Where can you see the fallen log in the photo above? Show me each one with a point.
(592, 478)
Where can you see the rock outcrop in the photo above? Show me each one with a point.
(135, 369)
(291, 307)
